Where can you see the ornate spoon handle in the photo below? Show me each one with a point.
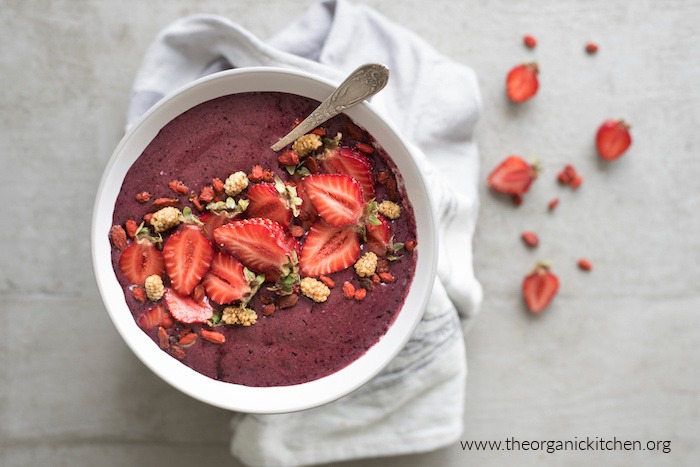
(362, 83)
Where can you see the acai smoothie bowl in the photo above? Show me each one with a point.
(256, 280)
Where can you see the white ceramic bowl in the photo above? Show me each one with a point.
(232, 396)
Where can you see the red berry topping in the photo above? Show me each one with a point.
(337, 198)
(329, 249)
(539, 288)
(213, 220)
(530, 238)
(529, 41)
(260, 244)
(591, 48)
(353, 163)
(140, 260)
(225, 282)
(513, 176)
(186, 310)
(188, 254)
(613, 139)
(266, 202)
(522, 82)
(378, 236)
(156, 316)
(117, 235)
(584, 264)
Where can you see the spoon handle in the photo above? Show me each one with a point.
(362, 83)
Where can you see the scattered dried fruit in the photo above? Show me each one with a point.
(348, 289)
(539, 287)
(287, 301)
(268, 309)
(529, 41)
(553, 203)
(530, 238)
(206, 195)
(213, 336)
(591, 48)
(386, 277)
(613, 139)
(328, 281)
(143, 197)
(131, 228)
(178, 187)
(117, 236)
(218, 185)
(365, 148)
(139, 294)
(522, 83)
(166, 202)
(360, 294)
(187, 339)
(584, 264)
(163, 339)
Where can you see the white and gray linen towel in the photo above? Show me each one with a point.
(416, 404)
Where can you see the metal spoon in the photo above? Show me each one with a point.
(361, 84)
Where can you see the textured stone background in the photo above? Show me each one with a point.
(615, 355)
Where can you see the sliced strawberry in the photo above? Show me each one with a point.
(260, 244)
(539, 288)
(152, 318)
(328, 249)
(225, 282)
(266, 202)
(213, 220)
(378, 236)
(307, 212)
(353, 163)
(612, 139)
(337, 198)
(186, 310)
(156, 316)
(513, 176)
(522, 83)
(140, 260)
(188, 254)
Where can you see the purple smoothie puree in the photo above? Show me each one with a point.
(293, 345)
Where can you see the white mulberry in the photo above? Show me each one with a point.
(235, 183)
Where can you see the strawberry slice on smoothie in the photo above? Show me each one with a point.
(329, 249)
(337, 198)
(188, 254)
(141, 259)
(260, 244)
(228, 281)
(350, 162)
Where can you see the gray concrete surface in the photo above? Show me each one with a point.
(615, 356)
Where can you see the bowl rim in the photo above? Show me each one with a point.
(278, 399)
